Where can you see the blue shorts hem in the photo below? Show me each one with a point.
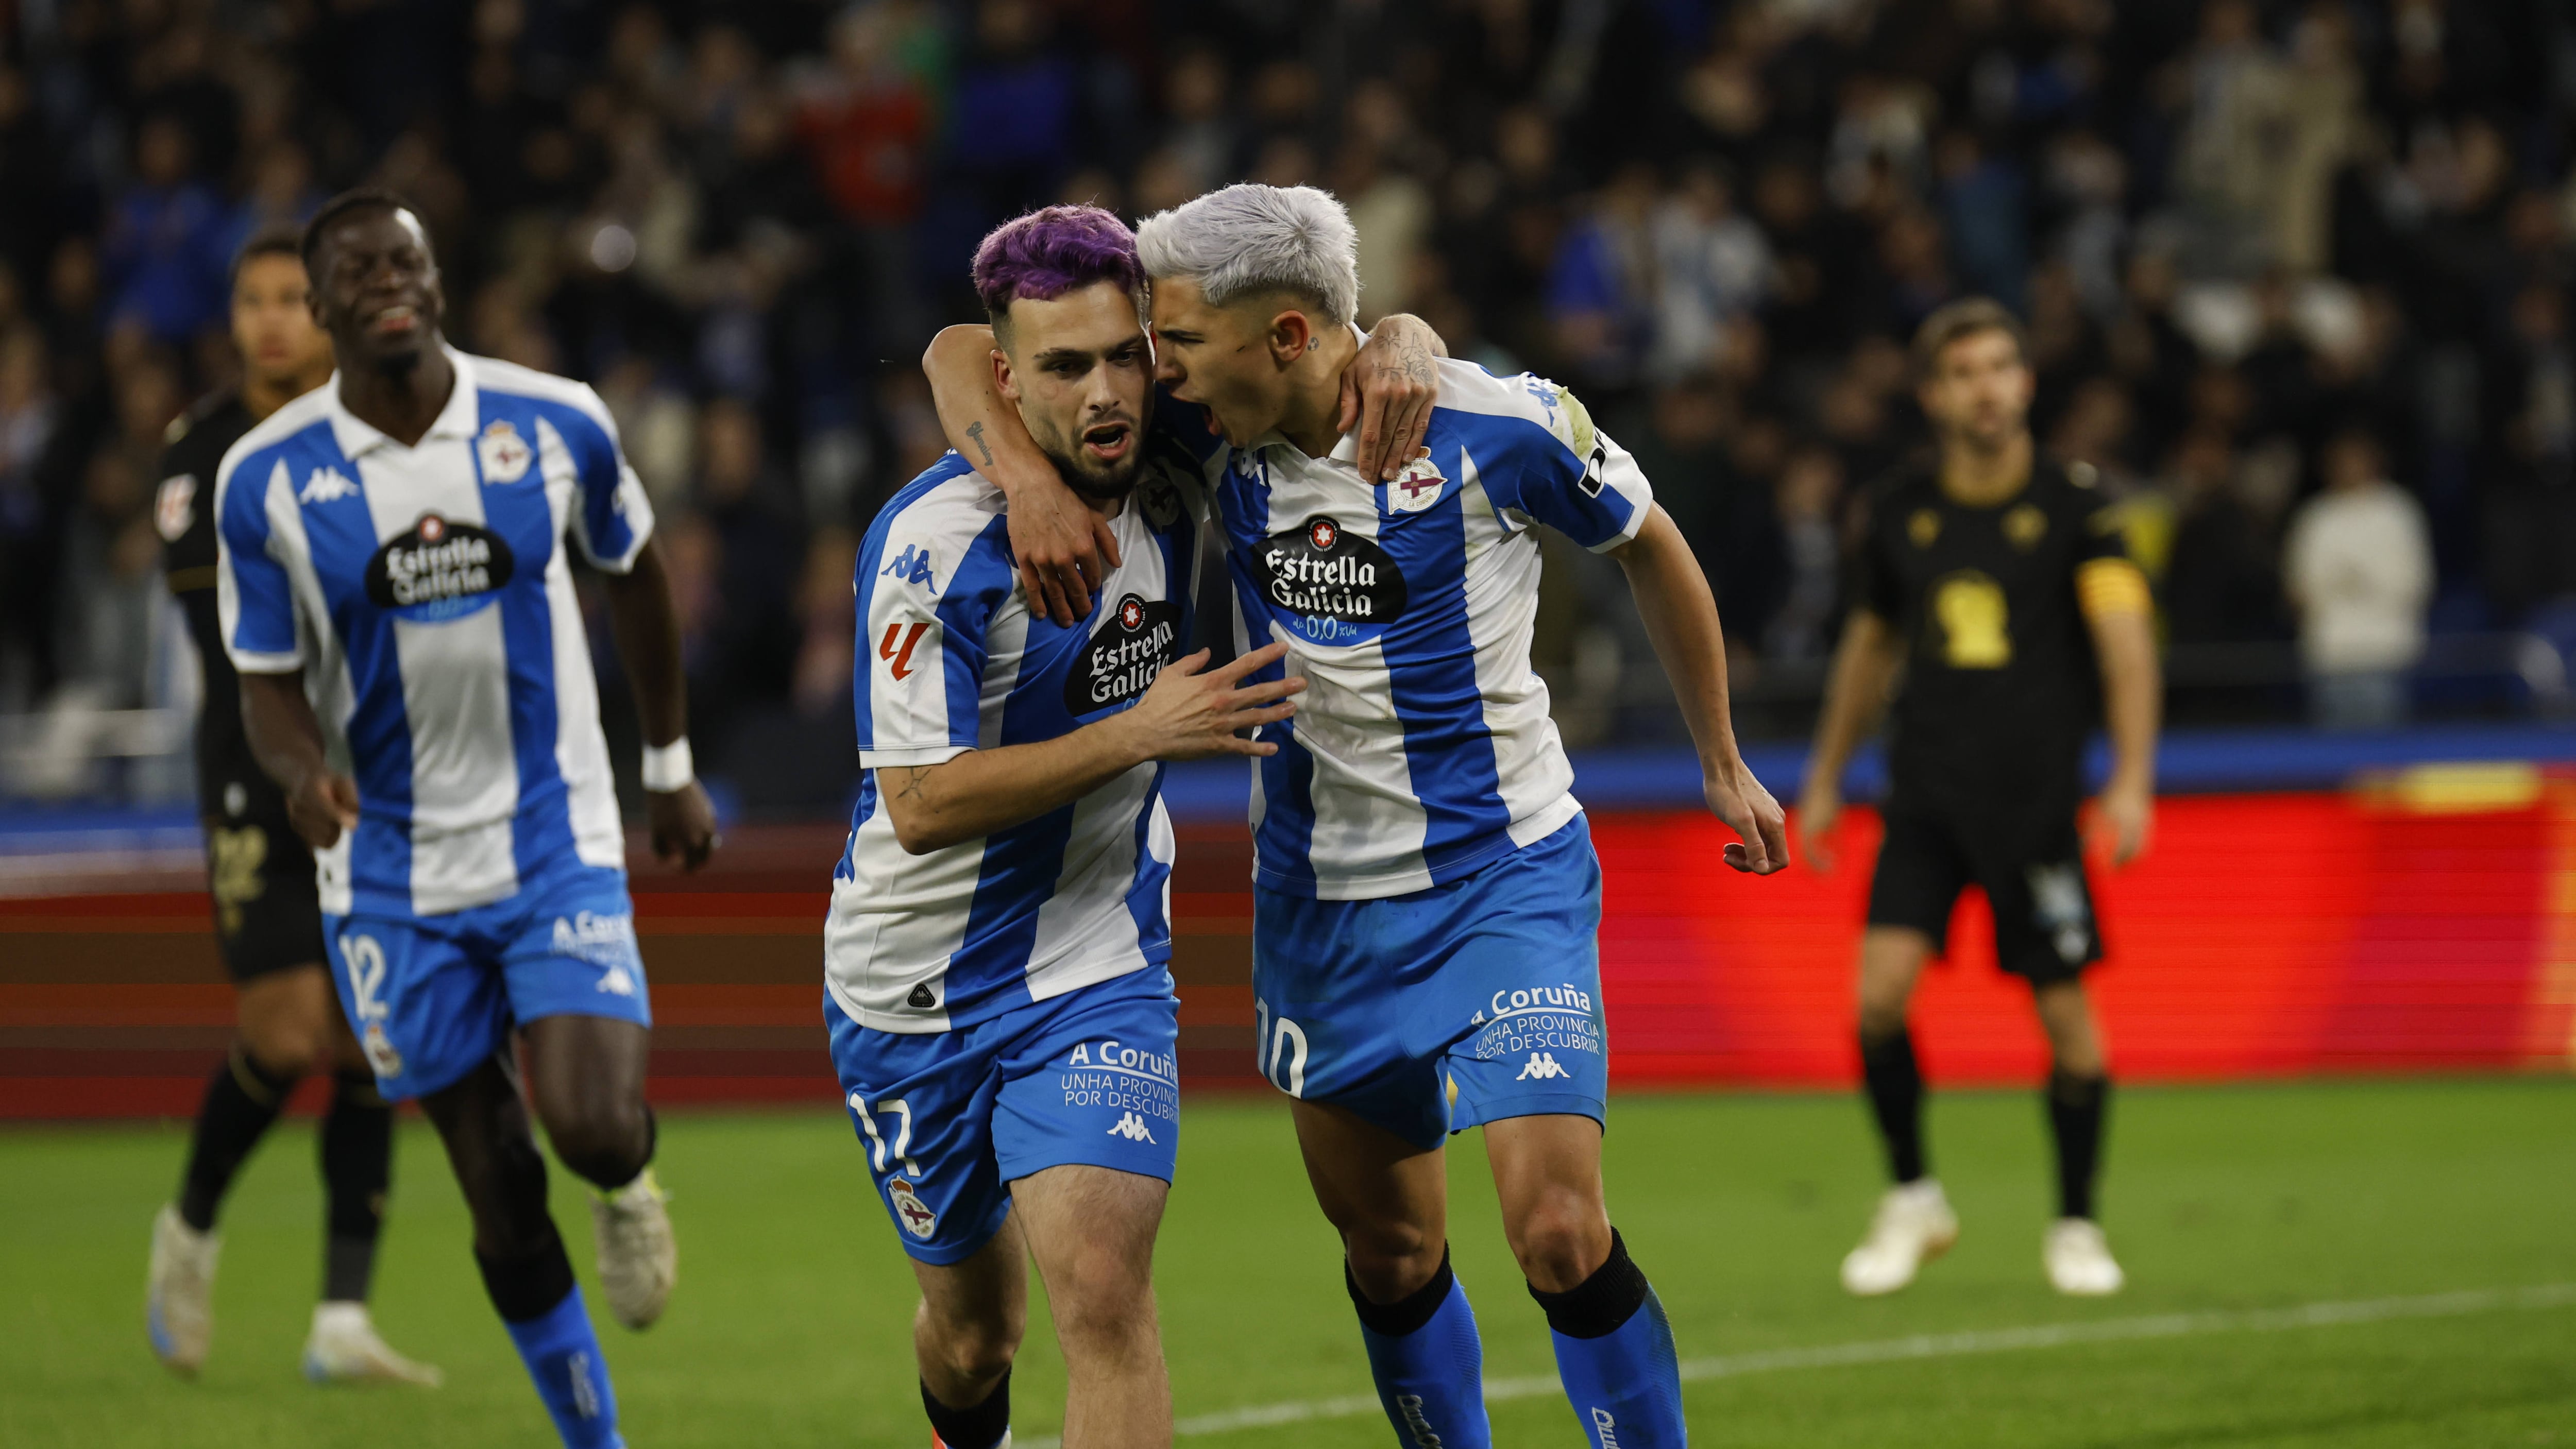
(955, 1251)
(1565, 1104)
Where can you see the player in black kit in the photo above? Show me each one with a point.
(2000, 583)
(268, 918)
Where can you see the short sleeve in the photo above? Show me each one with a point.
(1878, 587)
(254, 599)
(929, 607)
(611, 516)
(1573, 477)
(2107, 580)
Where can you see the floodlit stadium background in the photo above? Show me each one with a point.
(2237, 231)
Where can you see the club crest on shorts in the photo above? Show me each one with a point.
(910, 1210)
(381, 1056)
(1416, 488)
(504, 454)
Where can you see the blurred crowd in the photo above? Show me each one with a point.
(2294, 272)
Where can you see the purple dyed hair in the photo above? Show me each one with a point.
(1049, 252)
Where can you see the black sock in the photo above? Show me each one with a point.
(1601, 1304)
(1405, 1315)
(980, 1427)
(1895, 1088)
(357, 1166)
(2076, 1107)
(528, 1286)
(241, 1100)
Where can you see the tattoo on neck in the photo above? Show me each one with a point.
(975, 431)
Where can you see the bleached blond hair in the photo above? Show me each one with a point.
(1249, 239)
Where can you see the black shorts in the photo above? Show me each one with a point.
(2032, 871)
(268, 912)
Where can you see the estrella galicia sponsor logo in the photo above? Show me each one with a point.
(439, 570)
(600, 940)
(1327, 584)
(1125, 653)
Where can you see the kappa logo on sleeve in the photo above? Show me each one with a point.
(912, 566)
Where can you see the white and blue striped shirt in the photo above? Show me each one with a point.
(1422, 748)
(950, 659)
(426, 595)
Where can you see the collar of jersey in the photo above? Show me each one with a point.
(456, 420)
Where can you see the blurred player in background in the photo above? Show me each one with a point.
(998, 953)
(1999, 583)
(1426, 895)
(268, 919)
(395, 591)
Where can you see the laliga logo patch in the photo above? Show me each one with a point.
(175, 506)
(439, 570)
(1123, 655)
(504, 454)
(1416, 488)
(910, 1210)
(1328, 585)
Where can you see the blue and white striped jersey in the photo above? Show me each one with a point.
(1422, 748)
(950, 659)
(425, 593)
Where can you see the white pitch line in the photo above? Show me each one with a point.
(1938, 1345)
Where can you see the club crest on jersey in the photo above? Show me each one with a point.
(910, 1210)
(439, 570)
(1162, 503)
(1328, 585)
(1123, 655)
(504, 454)
(175, 506)
(1416, 488)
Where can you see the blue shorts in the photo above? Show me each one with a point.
(431, 996)
(951, 1119)
(1445, 1009)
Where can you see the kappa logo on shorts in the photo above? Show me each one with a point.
(915, 1215)
(616, 981)
(1131, 1127)
(1542, 1066)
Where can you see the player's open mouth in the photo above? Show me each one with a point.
(397, 320)
(1108, 442)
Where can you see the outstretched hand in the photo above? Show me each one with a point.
(1065, 550)
(1740, 800)
(1186, 714)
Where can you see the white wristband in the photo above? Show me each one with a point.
(668, 767)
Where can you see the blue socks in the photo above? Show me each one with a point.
(541, 1306)
(1428, 1362)
(562, 1355)
(1614, 1350)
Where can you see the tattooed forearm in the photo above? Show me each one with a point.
(912, 779)
(975, 431)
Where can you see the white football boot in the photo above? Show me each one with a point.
(1913, 1226)
(179, 1303)
(638, 1259)
(344, 1349)
(2079, 1259)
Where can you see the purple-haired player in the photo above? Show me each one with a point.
(997, 957)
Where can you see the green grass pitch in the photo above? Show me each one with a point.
(789, 1327)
